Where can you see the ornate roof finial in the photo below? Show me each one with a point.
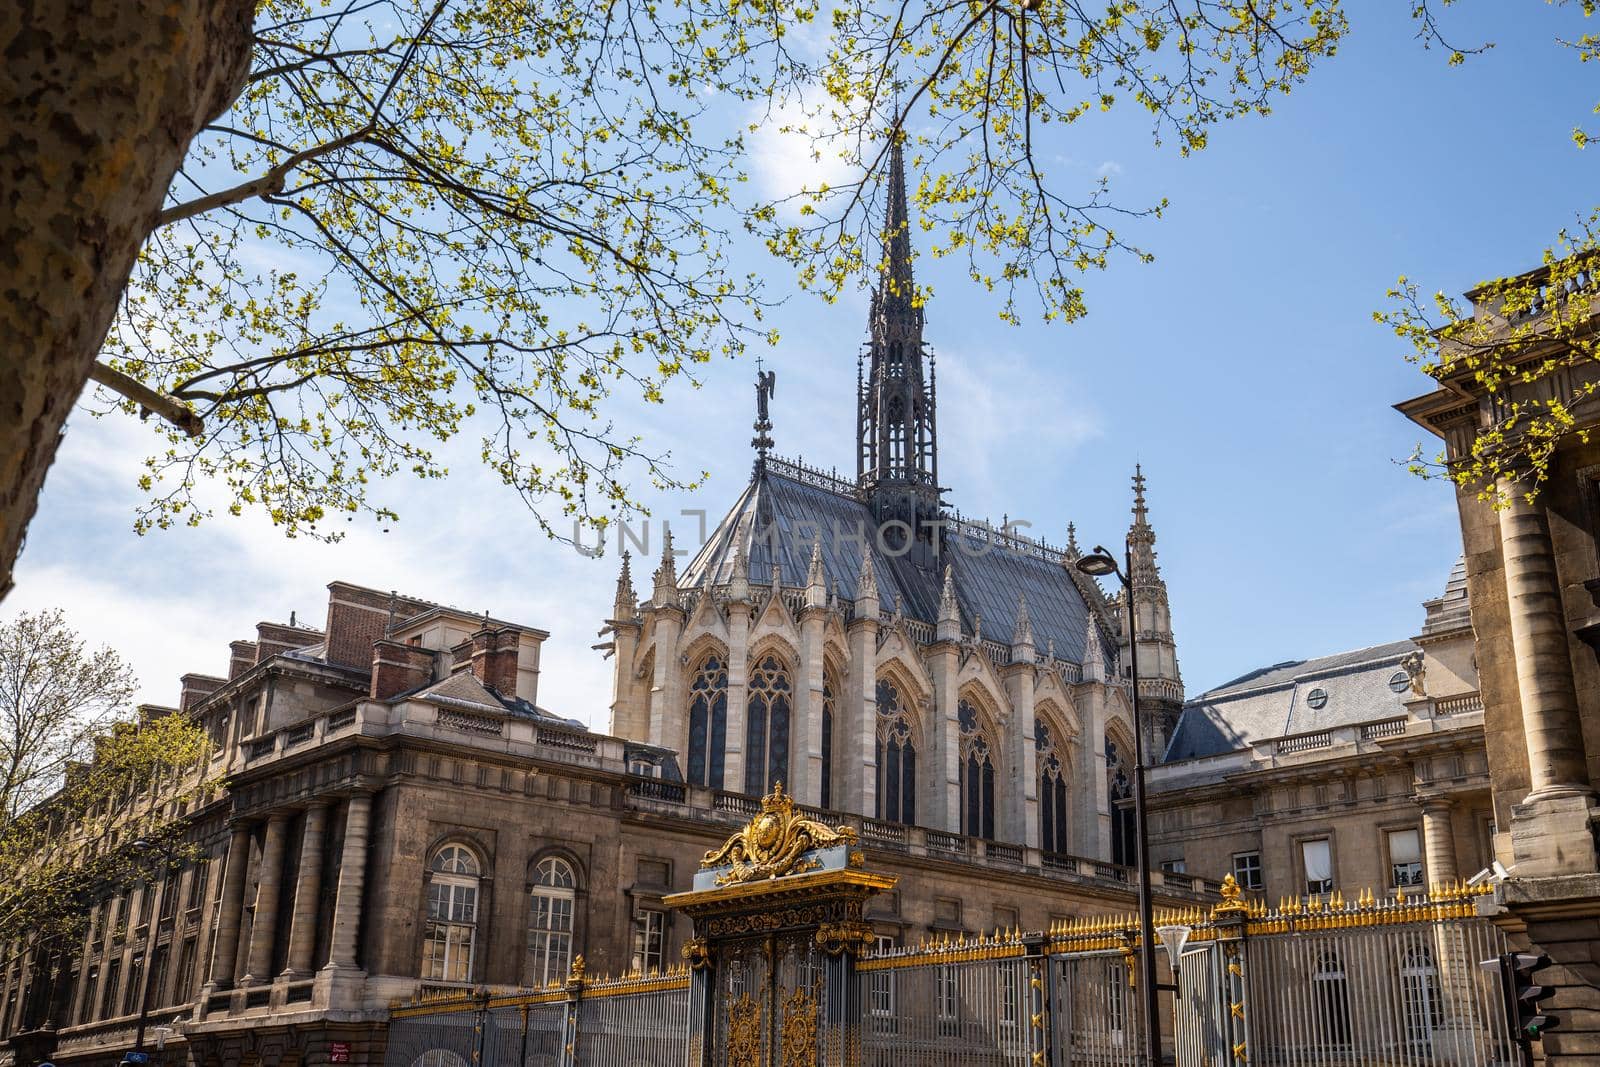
(777, 578)
(1073, 551)
(1022, 634)
(766, 384)
(625, 604)
(739, 581)
(948, 626)
(1140, 518)
(816, 583)
(898, 286)
(667, 573)
(867, 584)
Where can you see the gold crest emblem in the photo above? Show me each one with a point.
(774, 843)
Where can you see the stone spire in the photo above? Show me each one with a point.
(666, 588)
(1073, 551)
(1160, 683)
(948, 628)
(1094, 657)
(816, 582)
(626, 604)
(1022, 633)
(897, 439)
(867, 590)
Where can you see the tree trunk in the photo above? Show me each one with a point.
(100, 100)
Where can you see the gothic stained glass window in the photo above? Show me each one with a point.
(897, 758)
(1119, 790)
(708, 721)
(451, 930)
(767, 726)
(827, 739)
(1054, 828)
(977, 773)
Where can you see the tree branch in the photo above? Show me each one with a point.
(176, 412)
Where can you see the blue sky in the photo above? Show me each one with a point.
(1242, 369)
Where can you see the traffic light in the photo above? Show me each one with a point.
(1523, 995)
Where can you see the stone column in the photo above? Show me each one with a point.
(1019, 775)
(806, 730)
(1551, 726)
(669, 718)
(939, 772)
(264, 926)
(1438, 839)
(225, 949)
(856, 785)
(307, 891)
(352, 883)
(734, 751)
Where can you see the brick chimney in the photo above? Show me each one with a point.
(196, 687)
(273, 638)
(241, 657)
(359, 617)
(494, 658)
(398, 668)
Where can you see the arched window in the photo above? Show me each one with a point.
(1119, 791)
(1419, 987)
(451, 932)
(897, 758)
(555, 890)
(828, 691)
(977, 773)
(1331, 995)
(767, 726)
(1054, 829)
(708, 721)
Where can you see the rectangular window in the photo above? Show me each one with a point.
(131, 989)
(119, 929)
(880, 987)
(169, 898)
(1174, 866)
(649, 939)
(946, 912)
(86, 1002)
(1405, 858)
(1318, 860)
(160, 960)
(947, 996)
(185, 987)
(147, 899)
(1247, 870)
(197, 885)
(1006, 919)
(108, 989)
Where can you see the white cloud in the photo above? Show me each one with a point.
(1109, 169)
(787, 158)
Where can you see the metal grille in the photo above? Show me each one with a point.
(1201, 1008)
(447, 1039)
(1095, 1015)
(648, 1029)
(946, 1013)
(1400, 996)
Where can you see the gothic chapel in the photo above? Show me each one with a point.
(880, 655)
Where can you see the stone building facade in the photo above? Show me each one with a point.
(400, 815)
(1365, 770)
(1533, 570)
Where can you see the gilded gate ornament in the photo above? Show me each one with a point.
(797, 1043)
(774, 843)
(744, 1032)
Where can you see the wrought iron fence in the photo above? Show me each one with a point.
(1313, 983)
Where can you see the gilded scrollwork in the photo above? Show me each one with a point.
(774, 843)
(697, 953)
(744, 1032)
(797, 1040)
(837, 937)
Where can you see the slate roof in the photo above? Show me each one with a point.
(777, 517)
(1273, 701)
(463, 690)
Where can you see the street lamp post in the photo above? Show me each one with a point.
(1101, 564)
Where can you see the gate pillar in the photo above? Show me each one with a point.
(1228, 920)
(779, 917)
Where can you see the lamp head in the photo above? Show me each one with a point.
(1097, 564)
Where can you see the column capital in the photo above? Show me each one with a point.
(1433, 803)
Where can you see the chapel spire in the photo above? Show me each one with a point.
(1160, 683)
(897, 449)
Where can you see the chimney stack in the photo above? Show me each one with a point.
(399, 668)
(494, 658)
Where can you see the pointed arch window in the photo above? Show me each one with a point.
(829, 689)
(977, 773)
(708, 721)
(550, 913)
(451, 932)
(897, 758)
(767, 726)
(1054, 829)
(1119, 791)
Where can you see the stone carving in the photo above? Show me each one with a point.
(774, 843)
(1416, 670)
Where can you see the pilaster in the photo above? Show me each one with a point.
(808, 708)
